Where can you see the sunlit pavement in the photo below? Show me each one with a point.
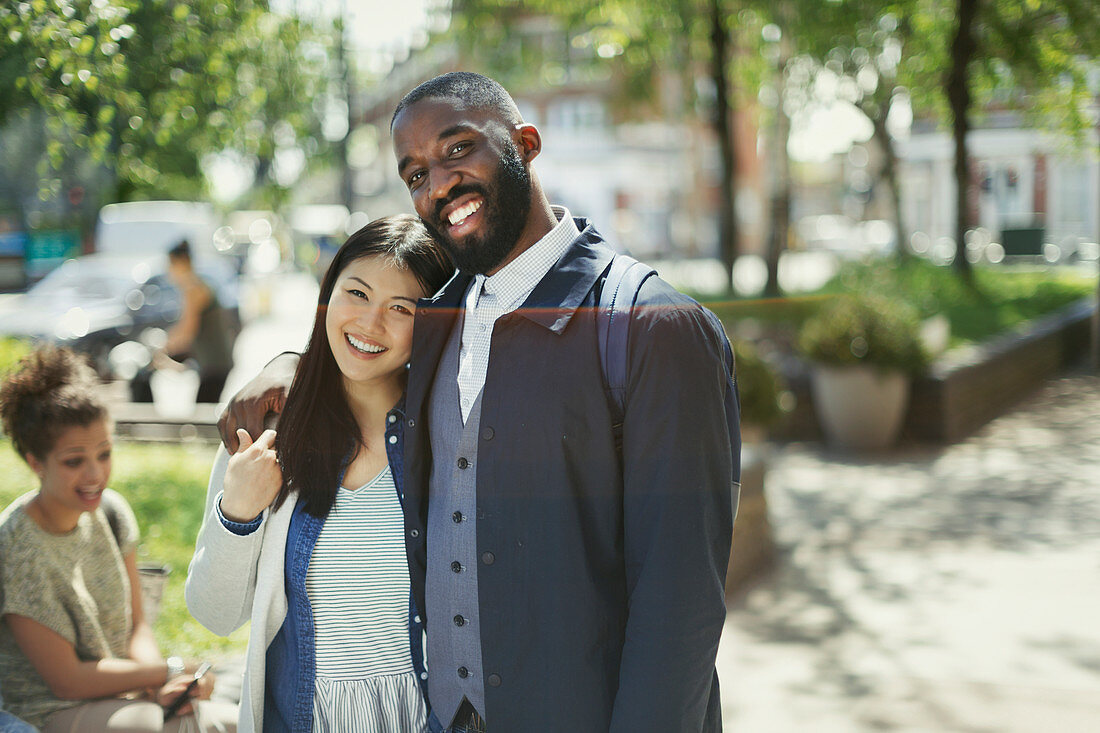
(931, 589)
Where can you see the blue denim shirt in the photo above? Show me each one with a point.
(290, 671)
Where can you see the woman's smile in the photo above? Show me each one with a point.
(364, 346)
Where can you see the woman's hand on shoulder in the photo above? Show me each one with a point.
(252, 478)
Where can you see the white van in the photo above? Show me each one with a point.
(153, 227)
(145, 230)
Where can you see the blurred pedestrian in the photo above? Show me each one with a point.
(203, 332)
(202, 337)
(76, 652)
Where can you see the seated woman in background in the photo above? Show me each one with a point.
(76, 653)
(310, 547)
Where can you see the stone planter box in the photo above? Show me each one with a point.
(967, 387)
(753, 550)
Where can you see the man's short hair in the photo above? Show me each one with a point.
(181, 251)
(476, 90)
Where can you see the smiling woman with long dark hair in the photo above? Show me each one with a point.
(304, 527)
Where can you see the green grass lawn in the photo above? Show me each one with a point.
(166, 486)
(1002, 298)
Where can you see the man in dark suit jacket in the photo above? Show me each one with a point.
(567, 583)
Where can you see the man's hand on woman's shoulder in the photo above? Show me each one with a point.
(265, 395)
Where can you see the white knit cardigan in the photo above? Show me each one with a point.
(233, 579)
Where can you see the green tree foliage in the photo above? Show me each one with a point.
(1032, 56)
(150, 87)
(955, 59)
(1028, 55)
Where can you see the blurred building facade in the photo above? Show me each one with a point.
(1026, 180)
(650, 185)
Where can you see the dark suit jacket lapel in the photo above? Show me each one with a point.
(558, 295)
(434, 319)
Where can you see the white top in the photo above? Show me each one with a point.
(489, 298)
(358, 588)
(358, 585)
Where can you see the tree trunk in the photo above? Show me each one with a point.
(1096, 313)
(958, 97)
(779, 231)
(347, 190)
(723, 125)
(889, 173)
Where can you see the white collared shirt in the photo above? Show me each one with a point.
(491, 297)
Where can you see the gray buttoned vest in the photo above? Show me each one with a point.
(454, 630)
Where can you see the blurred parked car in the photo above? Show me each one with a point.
(96, 302)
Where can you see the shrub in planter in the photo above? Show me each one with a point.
(866, 330)
(760, 389)
(863, 349)
(759, 386)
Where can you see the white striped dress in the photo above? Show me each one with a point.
(358, 587)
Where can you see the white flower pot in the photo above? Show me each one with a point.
(860, 407)
(174, 392)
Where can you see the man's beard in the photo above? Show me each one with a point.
(506, 202)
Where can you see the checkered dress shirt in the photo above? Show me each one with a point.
(489, 298)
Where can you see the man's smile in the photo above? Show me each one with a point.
(459, 215)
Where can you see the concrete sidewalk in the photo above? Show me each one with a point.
(931, 589)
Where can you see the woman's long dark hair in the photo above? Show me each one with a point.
(317, 431)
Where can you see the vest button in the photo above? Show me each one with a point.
(456, 517)
(488, 558)
(414, 533)
(494, 680)
(456, 567)
(463, 463)
(463, 672)
(487, 434)
(459, 621)
(411, 423)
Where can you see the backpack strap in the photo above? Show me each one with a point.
(618, 295)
